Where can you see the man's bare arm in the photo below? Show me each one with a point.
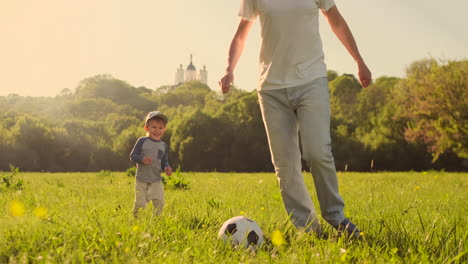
(342, 31)
(235, 52)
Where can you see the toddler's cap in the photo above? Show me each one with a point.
(154, 114)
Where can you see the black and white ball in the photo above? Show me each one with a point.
(241, 231)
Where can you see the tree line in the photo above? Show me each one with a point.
(414, 123)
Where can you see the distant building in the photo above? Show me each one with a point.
(191, 74)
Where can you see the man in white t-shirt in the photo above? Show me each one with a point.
(294, 97)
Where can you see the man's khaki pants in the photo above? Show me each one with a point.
(304, 110)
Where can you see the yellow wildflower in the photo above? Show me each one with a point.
(40, 212)
(135, 228)
(16, 209)
(277, 238)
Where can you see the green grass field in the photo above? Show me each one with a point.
(410, 217)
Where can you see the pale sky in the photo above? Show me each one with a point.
(49, 45)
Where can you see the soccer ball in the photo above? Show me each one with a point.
(241, 231)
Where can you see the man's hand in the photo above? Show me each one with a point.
(235, 51)
(226, 82)
(365, 76)
(147, 160)
(168, 171)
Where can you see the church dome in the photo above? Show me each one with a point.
(191, 74)
(190, 67)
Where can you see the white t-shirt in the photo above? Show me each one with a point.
(291, 52)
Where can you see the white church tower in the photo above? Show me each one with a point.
(191, 74)
(179, 75)
(203, 75)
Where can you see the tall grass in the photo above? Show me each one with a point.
(86, 217)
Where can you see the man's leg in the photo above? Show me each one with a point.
(282, 131)
(314, 121)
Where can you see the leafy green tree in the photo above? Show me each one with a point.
(164, 89)
(92, 144)
(196, 140)
(118, 91)
(124, 142)
(117, 123)
(375, 111)
(396, 123)
(65, 93)
(344, 91)
(70, 153)
(247, 148)
(46, 107)
(331, 75)
(5, 150)
(191, 93)
(215, 100)
(348, 152)
(98, 109)
(31, 138)
(434, 100)
(144, 91)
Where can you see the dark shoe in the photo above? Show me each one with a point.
(348, 228)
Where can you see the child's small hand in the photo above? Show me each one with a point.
(168, 171)
(147, 160)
